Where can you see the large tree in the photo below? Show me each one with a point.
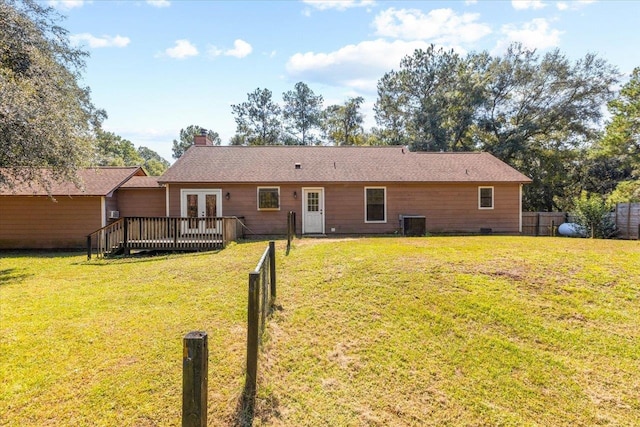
(429, 103)
(532, 111)
(154, 163)
(46, 118)
(343, 123)
(538, 110)
(302, 112)
(113, 150)
(258, 119)
(622, 134)
(187, 137)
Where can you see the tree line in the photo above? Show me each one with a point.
(540, 113)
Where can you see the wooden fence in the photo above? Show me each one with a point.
(542, 223)
(627, 217)
(262, 294)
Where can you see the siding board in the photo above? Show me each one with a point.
(40, 223)
(448, 208)
(141, 202)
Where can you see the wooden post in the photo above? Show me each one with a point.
(253, 327)
(272, 269)
(288, 231)
(629, 220)
(195, 367)
(537, 224)
(125, 233)
(89, 246)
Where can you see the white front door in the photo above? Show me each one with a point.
(196, 204)
(313, 211)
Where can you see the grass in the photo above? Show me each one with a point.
(385, 331)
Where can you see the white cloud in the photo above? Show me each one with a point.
(527, 4)
(240, 49)
(66, 4)
(98, 42)
(356, 66)
(338, 4)
(442, 26)
(573, 5)
(470, 2)
(536, 34)
(159, 3)
(182, 50)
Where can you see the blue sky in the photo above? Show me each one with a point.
(158, 66)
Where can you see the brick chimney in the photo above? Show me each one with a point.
(202, 139)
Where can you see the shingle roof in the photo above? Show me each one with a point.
(142, 182)
(95, 182)
(277, 164)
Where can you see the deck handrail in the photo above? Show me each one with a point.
(100, 237)
(161, 233)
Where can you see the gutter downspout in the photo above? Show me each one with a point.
(103, 216)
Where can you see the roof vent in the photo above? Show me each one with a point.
(298, 166)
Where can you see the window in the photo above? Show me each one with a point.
(268, 198)
(375, 200)
(485, 197)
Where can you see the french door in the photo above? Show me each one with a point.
(196, 205)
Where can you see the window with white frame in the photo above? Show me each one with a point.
(375, 204)
(268, 198)
(485, 197)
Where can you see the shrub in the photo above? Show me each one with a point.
(591, 212)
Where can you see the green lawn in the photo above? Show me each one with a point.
(480, 330)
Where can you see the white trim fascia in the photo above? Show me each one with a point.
(103, 209)
(166, 201)
(520, 205)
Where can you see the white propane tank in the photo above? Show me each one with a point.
(571, 229)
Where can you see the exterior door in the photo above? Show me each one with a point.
(313, 211)
(197, 204)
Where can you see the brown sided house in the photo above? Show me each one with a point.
(345, 190)
(29, 218)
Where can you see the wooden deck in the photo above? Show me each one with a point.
(163, 233)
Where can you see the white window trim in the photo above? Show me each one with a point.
(267, 187)
(493, 197)
(365, 205)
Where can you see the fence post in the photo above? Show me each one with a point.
(272, 269)
(195, 367)
(89, 246)
(125, 234)
(253, 327)
(288, 231)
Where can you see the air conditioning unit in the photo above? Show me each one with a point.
(114, 214)
(413, 225)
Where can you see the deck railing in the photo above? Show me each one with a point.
(161, 233)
